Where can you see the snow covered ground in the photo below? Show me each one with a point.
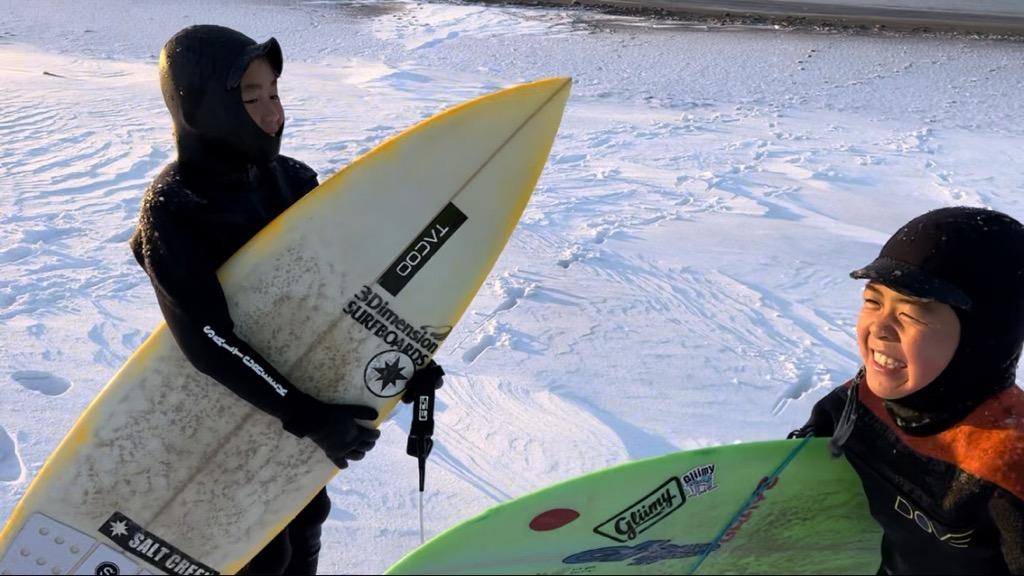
(678, 280)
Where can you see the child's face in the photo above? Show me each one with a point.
(259, 93)
(905, 343)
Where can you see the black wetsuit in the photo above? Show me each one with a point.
(951, 502)
(228, 182)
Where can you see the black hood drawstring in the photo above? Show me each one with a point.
(848, 417)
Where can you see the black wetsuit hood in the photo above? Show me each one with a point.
(201, 68)
(973, 260)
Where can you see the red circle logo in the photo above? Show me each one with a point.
(553, 519)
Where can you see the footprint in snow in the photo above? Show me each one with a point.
(486, 341)
(43, 382)
(571, 255)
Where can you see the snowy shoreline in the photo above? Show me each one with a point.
(998, 17)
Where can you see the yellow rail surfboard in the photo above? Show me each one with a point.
(167, 471)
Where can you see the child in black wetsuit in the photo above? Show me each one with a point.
(227, 183)
(933, 423)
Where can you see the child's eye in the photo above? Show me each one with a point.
(913, 319)
(871, 302)
(249, 101)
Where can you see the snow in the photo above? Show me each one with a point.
(678, 280)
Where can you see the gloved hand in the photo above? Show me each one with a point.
(334, 428)
(432, 373)
(825, 416)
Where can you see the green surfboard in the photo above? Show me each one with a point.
(780, 507)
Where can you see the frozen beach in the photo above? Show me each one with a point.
(678, 280)
(987, 16)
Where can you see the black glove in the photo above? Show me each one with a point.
(333, 427)
(820, 424)
(432, 373)
(825, 416)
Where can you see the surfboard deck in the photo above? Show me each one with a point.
(782, 507)
(345, 293)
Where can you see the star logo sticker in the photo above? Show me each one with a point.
(390, 374)
(119, 528)
(387, 373)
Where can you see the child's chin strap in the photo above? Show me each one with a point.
(420, 442)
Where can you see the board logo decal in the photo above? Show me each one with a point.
(643, 554)
(763, 485)
(438, 333)
(644, 513)
(374, 313)
(386, 373)
(135, 540)
(700, 480)
(107, 569)
(422, 249)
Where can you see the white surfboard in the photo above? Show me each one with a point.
(346, 293)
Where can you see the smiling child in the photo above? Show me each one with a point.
(933, 423)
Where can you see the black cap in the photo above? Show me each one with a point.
(270, 50)
(947, 254)
(912, 280)
(973, 260)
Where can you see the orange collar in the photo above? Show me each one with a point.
(988, 443)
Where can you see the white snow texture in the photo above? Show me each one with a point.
(678, 280)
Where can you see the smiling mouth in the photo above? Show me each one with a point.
(887, 362)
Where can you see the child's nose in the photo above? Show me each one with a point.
(884, 328)
(270, 119)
